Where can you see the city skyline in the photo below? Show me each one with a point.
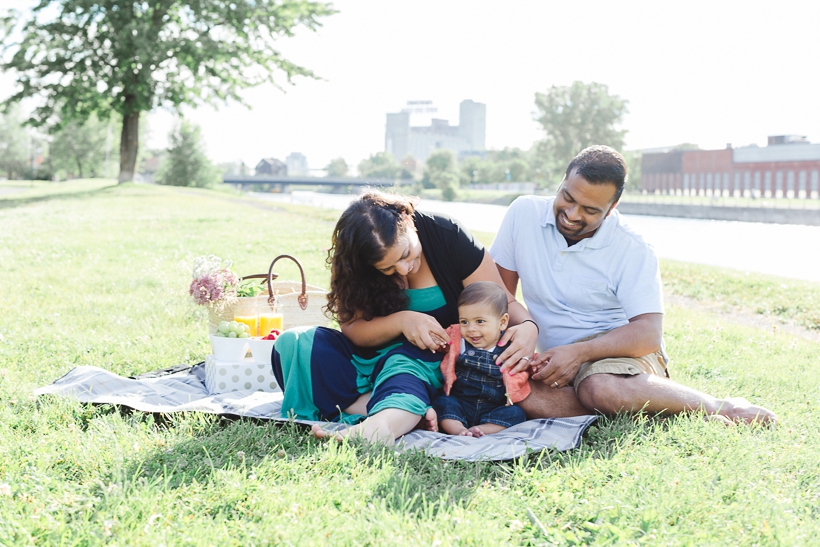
(694, 72)
(417, 130)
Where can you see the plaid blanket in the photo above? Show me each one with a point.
(183, 390)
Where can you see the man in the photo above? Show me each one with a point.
(594, 288)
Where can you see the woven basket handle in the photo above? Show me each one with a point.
(302, 298)
(263, 277)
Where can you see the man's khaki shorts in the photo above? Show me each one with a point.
(654, 363)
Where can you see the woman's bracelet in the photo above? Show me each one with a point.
(533, 322)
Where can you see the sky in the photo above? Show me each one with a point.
(701, 72)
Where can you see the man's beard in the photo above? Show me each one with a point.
(575, 231)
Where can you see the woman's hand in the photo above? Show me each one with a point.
(422, 330)
(523, 339)
(419, 328)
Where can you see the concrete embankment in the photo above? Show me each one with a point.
(808, 217)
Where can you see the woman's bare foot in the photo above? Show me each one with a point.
(367, 430)
(385, 426)
(318, 432)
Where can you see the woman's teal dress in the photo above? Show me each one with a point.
(322, 372)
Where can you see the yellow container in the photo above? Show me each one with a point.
(268, 322)
(245, 312)
(251, 320)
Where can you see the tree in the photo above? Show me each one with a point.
(468, 170)
(80, 148)
(84, 56)
(495, 166)
(517, 168)
(337, 168)
(448, 183)
(185, 164)
(230, 167)
(440, 171)
(381, 165)
(14, 145)
(575, 117)
(633, 161)
(438, 162)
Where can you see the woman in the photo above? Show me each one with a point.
(396, 274)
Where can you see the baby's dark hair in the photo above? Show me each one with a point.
(485, 292)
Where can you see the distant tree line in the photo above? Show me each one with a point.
(572, 118)
(91, 150)
(74, 151)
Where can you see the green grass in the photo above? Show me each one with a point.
(780, 299)
(97, 274)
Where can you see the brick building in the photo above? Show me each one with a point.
(789, 166)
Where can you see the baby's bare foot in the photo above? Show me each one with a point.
(476, 432)
(428, 422)
(466, 433)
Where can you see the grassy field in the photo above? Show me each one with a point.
(97, 274)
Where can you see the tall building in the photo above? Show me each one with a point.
(472, 123)
(297, 164)
(402, 139)
(788, 167)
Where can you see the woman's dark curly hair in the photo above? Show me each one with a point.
(365, 231)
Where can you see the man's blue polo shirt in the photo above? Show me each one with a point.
(596, 285)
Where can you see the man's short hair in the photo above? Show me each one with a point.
(485, 292)
(599, 165)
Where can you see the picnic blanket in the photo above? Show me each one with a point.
(183, 390)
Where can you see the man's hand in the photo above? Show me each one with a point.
(558, 366)
(518, 356)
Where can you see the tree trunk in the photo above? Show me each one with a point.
(129, 145)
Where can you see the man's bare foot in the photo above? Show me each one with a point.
(719, 419)
(740, 410)
(428, 422)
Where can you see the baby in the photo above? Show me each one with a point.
(477, 404)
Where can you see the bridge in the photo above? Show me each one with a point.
(284, 183)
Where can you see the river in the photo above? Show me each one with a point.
(791, 251)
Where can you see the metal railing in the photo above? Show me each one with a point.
(803, 202)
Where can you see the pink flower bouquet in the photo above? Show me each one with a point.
(214, 284)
